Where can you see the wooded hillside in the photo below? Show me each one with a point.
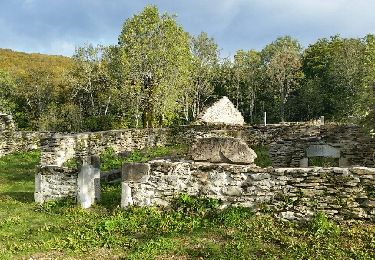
(17, 63)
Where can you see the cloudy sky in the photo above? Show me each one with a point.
(57, 26)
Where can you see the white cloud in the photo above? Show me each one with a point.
(58, 26)
(61, 47)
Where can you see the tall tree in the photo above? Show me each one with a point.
(282, 59)
(337, 66)
(205, 59)
(7, 104)
(91, 84)
(369, 118)
(248, 74)
(156, 63)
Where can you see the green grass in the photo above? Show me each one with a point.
(193, 228)
(323, 161)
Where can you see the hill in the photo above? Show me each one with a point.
(19, 63)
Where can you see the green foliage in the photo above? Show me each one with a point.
(283, 63)
(110, 160)
(158, 75)
(72, 163)
(263, 157)
(155, 58)
(320, 225)
(193, 206)
(337, 72)
(323, 161)
(205, 58)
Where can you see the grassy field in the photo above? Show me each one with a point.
(192, 229)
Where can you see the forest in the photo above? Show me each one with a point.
(159, 75)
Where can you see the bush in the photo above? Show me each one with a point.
(263, 156)
(320, 225)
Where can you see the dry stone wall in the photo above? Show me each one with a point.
(16, 141)
(58, 148)
(53, 183)
(293, 193)
(288, 144)
(354, 147)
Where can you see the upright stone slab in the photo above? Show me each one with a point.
(88, 183)
(222, 150)
(222, 112)
(323, 150)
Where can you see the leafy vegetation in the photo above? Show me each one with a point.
(192, 228)
(263, 157)
(158, 75)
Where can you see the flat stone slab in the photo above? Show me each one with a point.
(222, 150)
(134, 171)
(323, 151)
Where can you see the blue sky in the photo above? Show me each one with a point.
(57, 26)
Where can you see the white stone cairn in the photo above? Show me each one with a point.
(222, 112)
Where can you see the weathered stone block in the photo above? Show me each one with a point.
(222, 149)
(134, 171)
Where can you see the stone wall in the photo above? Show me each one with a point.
(293, 193)
(287, 143)
(57, 148)
(291, 147)
(53, 183)
(17, 141)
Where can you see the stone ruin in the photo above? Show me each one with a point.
(221, 165)
(223, 168)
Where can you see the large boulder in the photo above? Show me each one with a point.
(222, 150)
(222, 112)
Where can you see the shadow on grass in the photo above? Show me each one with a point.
(19, 177)
(25, 197)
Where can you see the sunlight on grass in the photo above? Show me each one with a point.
(193, 228)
